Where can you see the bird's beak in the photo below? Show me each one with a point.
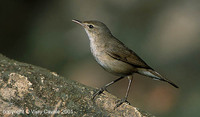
(78, 22)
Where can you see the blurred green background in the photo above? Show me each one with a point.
(165, 33)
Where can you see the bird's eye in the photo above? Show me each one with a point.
(90, 26)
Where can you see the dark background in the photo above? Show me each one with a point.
(165, 33)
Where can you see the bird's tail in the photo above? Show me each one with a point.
(155, 75)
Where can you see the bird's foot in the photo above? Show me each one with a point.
(100, 91)
(120, 102)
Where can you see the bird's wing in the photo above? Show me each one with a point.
(126, 55)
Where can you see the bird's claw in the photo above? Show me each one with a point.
(120, 102)
(100, 91)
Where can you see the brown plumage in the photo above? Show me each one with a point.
(115, 57)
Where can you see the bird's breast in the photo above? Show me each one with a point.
(110, 64)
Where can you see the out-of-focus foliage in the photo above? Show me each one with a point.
(166, 34)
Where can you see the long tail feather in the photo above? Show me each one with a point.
(155, 75)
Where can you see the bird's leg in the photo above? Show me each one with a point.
(104, 87)
(130, 78)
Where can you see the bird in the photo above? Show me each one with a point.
(115, 57)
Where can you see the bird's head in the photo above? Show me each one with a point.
(94, 28)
